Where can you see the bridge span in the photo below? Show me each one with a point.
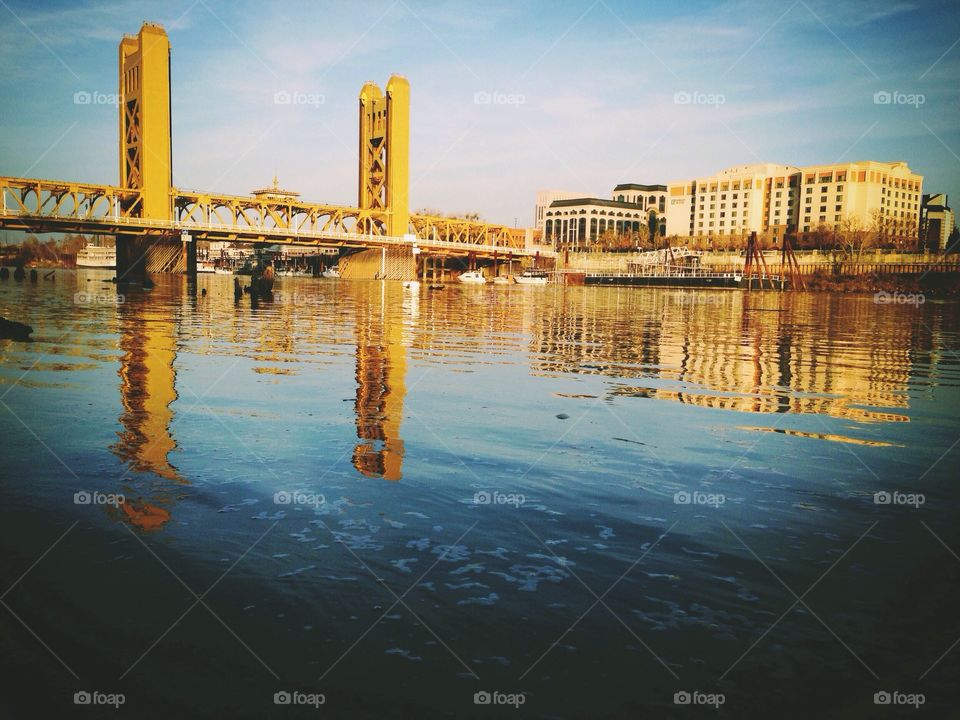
(156, 224)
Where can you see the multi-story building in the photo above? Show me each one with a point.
(936, 221)
(544, 198)
(651, 197)
(577, 222)
(773, 199)
(735, 201)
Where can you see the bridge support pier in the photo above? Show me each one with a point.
(380, 264)
(131, 259)
(190, 258)
(138, 255)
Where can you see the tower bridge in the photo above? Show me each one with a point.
(156, 223)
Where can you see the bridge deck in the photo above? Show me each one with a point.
(60, 206)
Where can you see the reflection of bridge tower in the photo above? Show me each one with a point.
(384, 177)
(381, 387)
(146, 152)
(147, 390)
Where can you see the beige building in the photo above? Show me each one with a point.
(544, 198)
(771, 199)
(576, 223)
(573, 221)
(651, 197)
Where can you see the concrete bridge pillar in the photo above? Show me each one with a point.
(138, 255)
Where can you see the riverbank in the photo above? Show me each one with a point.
(932, 284)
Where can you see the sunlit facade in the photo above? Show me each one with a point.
(772, 200)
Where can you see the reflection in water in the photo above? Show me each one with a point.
(738, 352)
(147, 390)
(381, 369)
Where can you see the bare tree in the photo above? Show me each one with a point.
(854, 236)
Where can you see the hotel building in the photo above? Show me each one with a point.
(772, 199)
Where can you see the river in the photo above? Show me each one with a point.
(585, 502)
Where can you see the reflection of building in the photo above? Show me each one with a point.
(381, 371)
(147, 389)
(725, 353)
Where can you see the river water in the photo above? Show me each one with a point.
(586, 500)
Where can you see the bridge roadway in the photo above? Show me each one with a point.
(39, 206)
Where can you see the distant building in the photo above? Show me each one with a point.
(936, 221)
(772, 199)
(275, 193)
(650, 196)
(577, 222)
(544, 198)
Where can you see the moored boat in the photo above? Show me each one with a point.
(472, 277)
(532, 277)
(97, 256)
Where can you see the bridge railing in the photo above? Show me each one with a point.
(61, 199)
(56, 205)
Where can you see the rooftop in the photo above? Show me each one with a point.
(636, 186)
(596, 201)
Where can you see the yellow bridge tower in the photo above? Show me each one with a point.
(146, 153)
(384, 178)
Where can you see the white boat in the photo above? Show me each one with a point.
(501, 280)
(472, 277)
(330, 272)
(205, 266)
(532, 277)
(411, 284)
(97, 256)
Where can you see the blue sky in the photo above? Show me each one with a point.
(584, 93)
